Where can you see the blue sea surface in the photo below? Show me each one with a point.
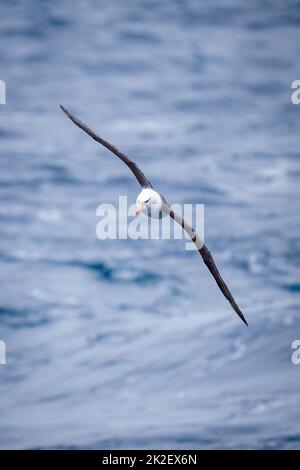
(129, 343)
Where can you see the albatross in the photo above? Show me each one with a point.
(150, 202)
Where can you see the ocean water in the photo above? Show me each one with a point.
(129, 344)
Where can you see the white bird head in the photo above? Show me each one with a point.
(149, 202)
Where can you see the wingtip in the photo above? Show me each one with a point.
(239, 313)
(67, 113)
(63, 109)
(243, 318)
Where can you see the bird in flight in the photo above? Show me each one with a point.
(153, 204)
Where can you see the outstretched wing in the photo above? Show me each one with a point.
(144, 182)
(207, 258)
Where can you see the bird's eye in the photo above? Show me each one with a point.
(148, 200)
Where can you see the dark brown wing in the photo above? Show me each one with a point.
(144, 182)
(207, 258)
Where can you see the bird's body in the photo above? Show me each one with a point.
(153, 204)
(150, 203)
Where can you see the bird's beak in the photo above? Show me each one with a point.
(139, 207)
